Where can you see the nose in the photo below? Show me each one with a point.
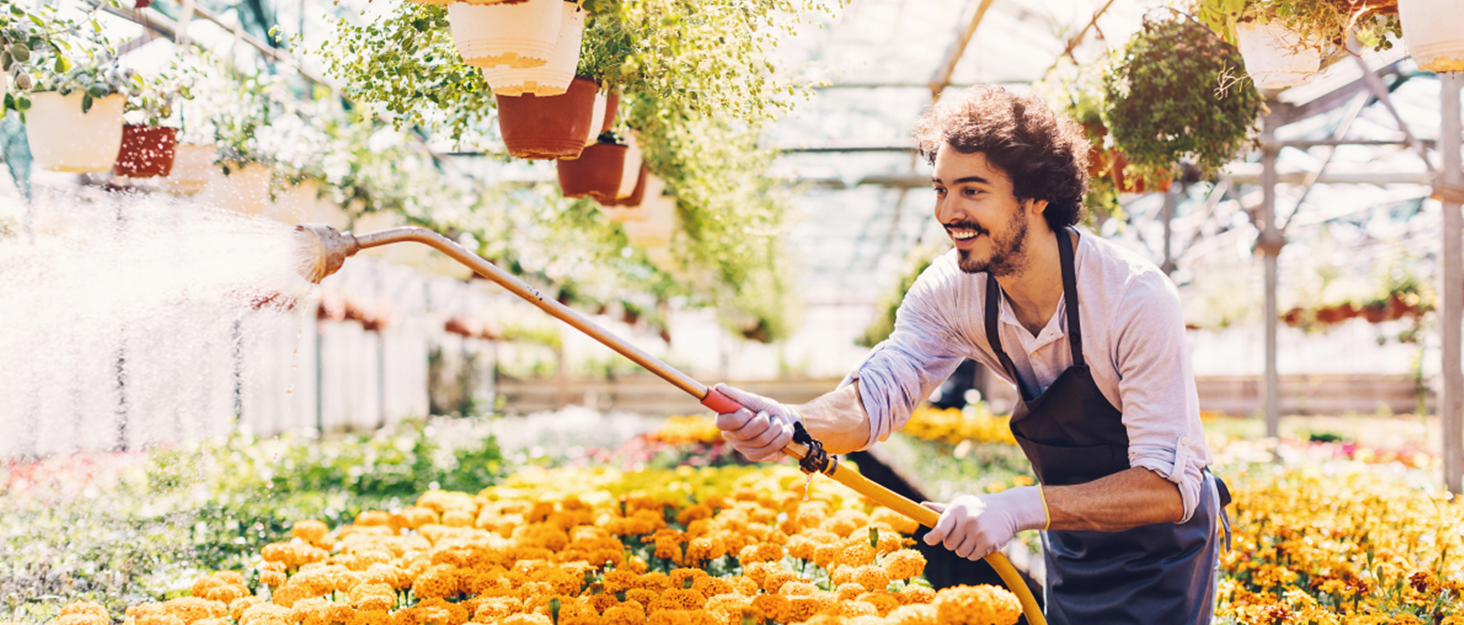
(946, 211)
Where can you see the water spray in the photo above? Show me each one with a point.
(324, 250)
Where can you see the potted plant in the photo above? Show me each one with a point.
(1284, 42)
(598, 171)
(1434, 33)
(148, 147)
(240, 178)
(551, 78)
(1161, 103)
(518, 34)
(544, 127)
(30, 42)
(74, 118)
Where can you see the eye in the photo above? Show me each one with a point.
(940, 191)
(971, 192)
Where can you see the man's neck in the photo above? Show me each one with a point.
(1035, 292)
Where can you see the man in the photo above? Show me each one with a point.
(1093, 337)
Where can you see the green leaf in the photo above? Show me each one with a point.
(63, 64)
(22, 103)
(86, 103)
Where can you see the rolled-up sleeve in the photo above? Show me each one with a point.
(919, 354)
(1160, 405)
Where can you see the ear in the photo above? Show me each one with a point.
(1036, 206)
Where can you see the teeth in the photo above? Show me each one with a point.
(962, 235)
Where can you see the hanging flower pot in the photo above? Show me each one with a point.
(1275, 56)
(1433, 30)
(295, 205)
(1134, 184)
(553, 77)
(630, 174)
(635, 207)
(593, 136)
(612, 106)
(147, 151)
(596, 173)
(63, 138)
(540, 127)
(193, 166)
(521, 34)
(656, 229)
(240, 188)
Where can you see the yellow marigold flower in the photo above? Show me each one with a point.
(158, 619)
(210, 621)
(730, 607)
(848, 591)
(706, 548)
(310, 531)
(190, 609)
(286, 595)
(913, 594)
(745, 586)
(370, 617)
(204, 584)
(655, 581)
(913, 614)
(694, 513)
(81, 619)
(372, 597)
(977, 605)
(415, 517)
(894, 520)
(226, 593)
(238, 606)
(883, 601)
(271, 578)
(678, 599)
(826, 555)
(904, 564)
(264, 612)
(775, 580)
(526, 619)
(850, 609)
(441, 612)
(871, 577)
(680, 577)
(758, 572)
(619, 581)
(624, 615)
(85, 607)
(844, 522)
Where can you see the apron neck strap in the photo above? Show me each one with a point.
(1070, 295)
(1070, 299)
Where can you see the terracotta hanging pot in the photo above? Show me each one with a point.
(1276, 57)
(612, 106)
(593, 136)
(521, 34)
(244, 189)
(1127, 184)
(147, 152)
(538, 127)
(1433, 30)
(596, 173)
(656, 229)
(630, 175)
(62, 138)
(550, 78)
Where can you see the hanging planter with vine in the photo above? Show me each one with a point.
(74, 118)
(1434, 33)
(536, 127)
(1285, 42)
(553, 77)
(1173, 94)
(519, 34)
(597, 171)
(149, 147)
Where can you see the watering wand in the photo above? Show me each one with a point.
(326, 249)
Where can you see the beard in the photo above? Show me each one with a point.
(1008, 252)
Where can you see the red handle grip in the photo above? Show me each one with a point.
(719, 403)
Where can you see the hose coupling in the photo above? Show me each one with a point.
(817, 460)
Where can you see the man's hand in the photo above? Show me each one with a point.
(761, 429)
(974, 526)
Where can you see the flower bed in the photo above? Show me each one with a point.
(561, 547)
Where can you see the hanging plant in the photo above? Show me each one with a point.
(74, 118)
(148, 146)
(1172, 94)
(32, 42)
(1320, 26)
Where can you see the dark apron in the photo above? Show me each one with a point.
(1160, 573)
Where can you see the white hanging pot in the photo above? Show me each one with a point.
(245, 189)
(630, 175)
(1433, 30)
(517, 35)
(62, 138)
(592, 137)
(193, 167)
(656, 229)
(553, 77)
(1275, 56)
(636, 207)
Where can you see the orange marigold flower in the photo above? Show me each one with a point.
(263, 612)
(803, 608)
(226, 593)
(624, 615)
(913, 614)
(883, 601)
(82, 618)
(681, 578)
(825, 555)
(190, 609)
(271, 578)
(678, 599)
(440, 581)
(858, 554)
(310, 531)
(642, 596)
(712, 586)
(871, 577)
(370, 617)
(977, 605)
(655, 581)
(526, 619)
(620, 581)
(904, 564)
(238, 606)
(913, 594)
(368, 518)
(798, 589)
(849, 609)
(776, 579)
(203, 585)
(848, 591)
(372, 597)
(758, 572)
(842, 574)
(85, 607)
(771, 608)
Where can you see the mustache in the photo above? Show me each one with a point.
(966, 225)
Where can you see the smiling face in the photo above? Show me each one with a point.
(975, 204)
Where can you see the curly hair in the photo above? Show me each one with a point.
(1044, 153)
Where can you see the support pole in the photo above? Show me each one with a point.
(1166, 215)
(1451, 274)
(1269, 244)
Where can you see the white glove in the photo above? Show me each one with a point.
(761, 429)
(975, 526)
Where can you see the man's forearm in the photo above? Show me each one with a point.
(838, 420)
(1118, 502)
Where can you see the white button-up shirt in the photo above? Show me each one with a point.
(1133, 341)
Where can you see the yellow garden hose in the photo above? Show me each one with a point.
(325, 249)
